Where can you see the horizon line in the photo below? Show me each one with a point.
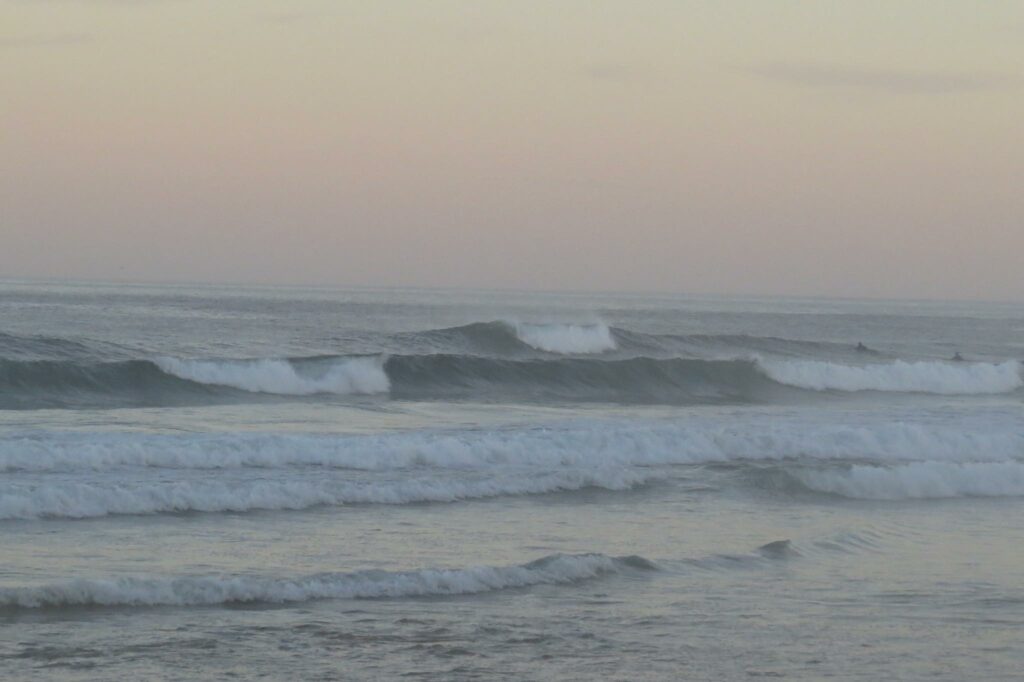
(240, 284)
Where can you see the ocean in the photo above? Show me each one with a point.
(210, 483)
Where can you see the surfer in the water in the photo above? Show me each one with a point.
(957, 357)
(861, 348)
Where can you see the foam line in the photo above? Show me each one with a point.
(77, 500)
(345, 376)
(946, 378)
(920, 480)
(567, 339)
(556, 569)
(579, 446)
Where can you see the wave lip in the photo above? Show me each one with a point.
(343, 376)
(556, 569)
(567, 339)
(943, 378)
(920, 480)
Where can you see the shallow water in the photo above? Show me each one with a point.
(201, 483)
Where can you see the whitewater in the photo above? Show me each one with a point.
(201, 483)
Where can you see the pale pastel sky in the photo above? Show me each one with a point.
(850, 148)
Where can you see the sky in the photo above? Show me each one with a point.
(859, 148)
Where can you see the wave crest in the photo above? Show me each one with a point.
(343, 376)
(557, 569)
(944, 378)
(79, 500)
(919, 480)
(583, 446)
(567, 339)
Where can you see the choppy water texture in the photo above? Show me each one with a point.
(257, 483)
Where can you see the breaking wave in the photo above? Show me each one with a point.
(79, 500)
(343, 376)
(945, 378)
(510, 339)
(524, 339)
(555, 569)
(919, 480)
(37, 384)
(583, 446)
(567, 339)
(168, 381)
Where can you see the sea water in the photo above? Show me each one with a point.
(203, 483)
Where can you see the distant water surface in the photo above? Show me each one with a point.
(205, 483)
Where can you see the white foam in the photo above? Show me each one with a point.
(567, 339)
(209, 590)
(345, 376)
(920, 480)
(576, 446)
(945, 378)
(76, 500)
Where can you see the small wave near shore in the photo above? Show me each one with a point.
(556, 569)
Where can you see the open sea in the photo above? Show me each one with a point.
(212, 483)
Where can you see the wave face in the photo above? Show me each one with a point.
(487, 362)
(567, 339)
(944, 378)
(640, 380)
(170, 381)
(344, 376)
(40, 384)
(919, 480)
(173, 381)
(18, 347)
(510, 339)
(556, 569)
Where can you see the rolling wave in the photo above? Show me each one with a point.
(567, 339)
(342, 376)
(36, 384)
(522, 339)
(510, 338)
(583, 446)
(944, 378)
(640, 379)
(36, 347)
(41, 384)
(79, 500)
(877, 458)
(919, 480)
(555, 569)
(168, 381)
